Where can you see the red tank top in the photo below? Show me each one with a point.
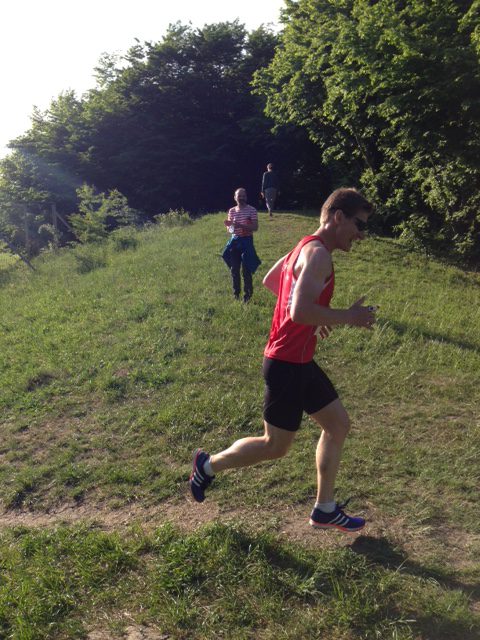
(289, 340)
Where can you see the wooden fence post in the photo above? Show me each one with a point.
(55, 225)
(26, 229)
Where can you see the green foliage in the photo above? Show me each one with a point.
(98, 212)
(110, 379)
(220, 581)
(27, 228)
(372, 83)
(124, 238)
(174, 125)
(50, 235)
(45, 165)
(89, 258)
(173, 218)
(7, 258)
(171, 125)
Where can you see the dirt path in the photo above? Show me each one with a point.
(388, 542)
(292, 523)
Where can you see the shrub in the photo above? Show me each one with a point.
(174, 218)
(99, 213)
(123, 239)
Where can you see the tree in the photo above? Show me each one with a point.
(98, 213)
(168, 128)
(47, 159)
(388, 90)
(174, 124)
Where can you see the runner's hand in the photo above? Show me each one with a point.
(361, 316)
(323, 332)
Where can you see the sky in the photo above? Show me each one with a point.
(50, 46)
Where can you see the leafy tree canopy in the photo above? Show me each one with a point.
(171, 125)
(388, 90)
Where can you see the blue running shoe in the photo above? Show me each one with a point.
(338, 519)
(199, 479)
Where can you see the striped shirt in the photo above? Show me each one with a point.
(245, 215)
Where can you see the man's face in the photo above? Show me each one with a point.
(241, 196)
(351, 229)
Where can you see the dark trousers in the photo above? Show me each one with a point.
(236, 261)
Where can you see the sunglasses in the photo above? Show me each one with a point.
(360, 224)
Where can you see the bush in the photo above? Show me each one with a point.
(123, 239)
(174, 218)
(99, 213)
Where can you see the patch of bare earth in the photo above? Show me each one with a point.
(391, 542)
(133, 632)
(390, 539)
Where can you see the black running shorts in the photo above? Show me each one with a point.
(291, 389)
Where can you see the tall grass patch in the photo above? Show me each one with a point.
(221, 581)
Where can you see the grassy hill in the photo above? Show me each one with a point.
(118, 360)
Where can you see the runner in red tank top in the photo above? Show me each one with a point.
(303, 282)
(289, 340)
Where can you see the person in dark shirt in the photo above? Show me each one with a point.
(270, 186)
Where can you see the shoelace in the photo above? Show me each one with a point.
(342, 505)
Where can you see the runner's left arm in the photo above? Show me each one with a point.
(272, 279)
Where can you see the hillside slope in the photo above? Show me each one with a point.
(116, 364)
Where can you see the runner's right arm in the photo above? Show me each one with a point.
(314, 267)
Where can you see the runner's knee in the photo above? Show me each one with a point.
(276, 448)
(339, 429)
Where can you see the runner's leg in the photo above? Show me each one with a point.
(335, 423)
(275, 443)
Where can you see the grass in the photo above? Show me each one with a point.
(7, 259)
(119, 359)
(220, 581)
